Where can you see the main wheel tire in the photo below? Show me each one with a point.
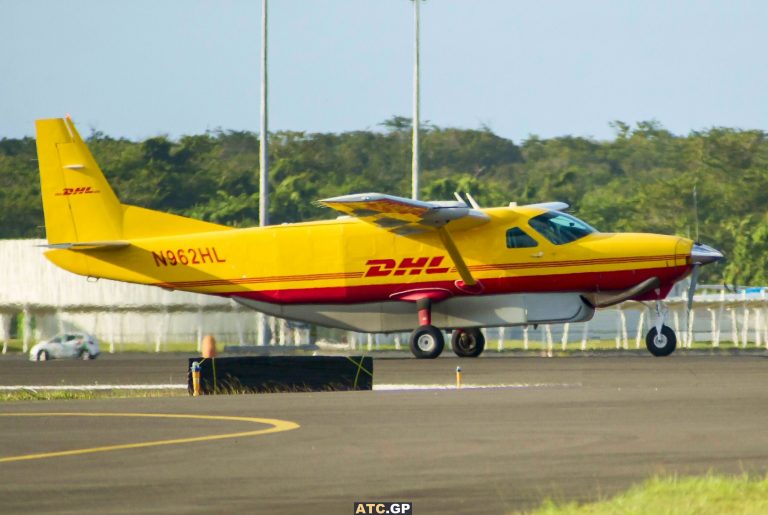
(662, 344)
(42, 355)
(468, 343)
(85, 355)
(427, 342)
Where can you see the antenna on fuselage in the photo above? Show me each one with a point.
(696, 212)
(472, 201)
(467, 199)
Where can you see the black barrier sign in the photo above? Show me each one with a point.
(383, 508)
(271, 374)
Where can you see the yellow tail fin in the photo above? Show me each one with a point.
(81, 207)
(78, 203)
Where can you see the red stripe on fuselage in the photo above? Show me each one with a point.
(666, 259)
(259, 280)
(577, 282)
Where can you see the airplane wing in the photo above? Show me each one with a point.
(407, 217)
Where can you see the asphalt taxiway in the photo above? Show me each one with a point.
(570, 428)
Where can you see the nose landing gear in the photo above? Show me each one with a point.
(661, 339)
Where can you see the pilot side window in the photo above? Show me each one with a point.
(560, 228)
(518, 239)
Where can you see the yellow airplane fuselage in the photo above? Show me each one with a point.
(347, 260)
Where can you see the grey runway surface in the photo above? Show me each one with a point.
(568, 428)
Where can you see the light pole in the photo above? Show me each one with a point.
(263, 138)
(416, 99)
(261, 322)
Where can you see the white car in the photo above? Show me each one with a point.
(68, 345)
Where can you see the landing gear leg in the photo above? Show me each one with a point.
(427, 341)
(661, 339)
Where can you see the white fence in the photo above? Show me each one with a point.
(736, 320)
(43, 300)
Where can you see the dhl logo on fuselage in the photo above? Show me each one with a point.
(82, 190)
(409, 265)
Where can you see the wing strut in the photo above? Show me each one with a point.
(461, 266)
(409, 218)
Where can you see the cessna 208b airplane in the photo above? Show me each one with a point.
(388, 264)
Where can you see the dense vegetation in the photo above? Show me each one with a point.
(642, 180)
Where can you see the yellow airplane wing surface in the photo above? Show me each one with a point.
(408, 217)
(405, 216)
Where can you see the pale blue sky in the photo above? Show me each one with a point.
(141, 68)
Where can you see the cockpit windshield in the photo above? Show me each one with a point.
(560, 228)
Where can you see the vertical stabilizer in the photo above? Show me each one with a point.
(78, 203)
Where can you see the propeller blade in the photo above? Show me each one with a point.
(692, 287)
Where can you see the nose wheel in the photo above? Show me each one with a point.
(661, 339)
(661, 344)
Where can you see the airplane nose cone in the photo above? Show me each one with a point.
(702, 254)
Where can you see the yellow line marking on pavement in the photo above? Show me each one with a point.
(277, 427)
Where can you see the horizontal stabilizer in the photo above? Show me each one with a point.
(88, 245)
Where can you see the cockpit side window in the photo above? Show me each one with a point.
(560, 228)
(518, 239)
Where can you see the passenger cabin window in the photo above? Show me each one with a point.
(518, 239)
(560, 228)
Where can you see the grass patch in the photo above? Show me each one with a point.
(712, 494)
(150, 347)
(31, 394)
(15, 346)
(535, 345)
(58, 395)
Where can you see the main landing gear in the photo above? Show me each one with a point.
(427, 341)
(468, 343)
(661, 339)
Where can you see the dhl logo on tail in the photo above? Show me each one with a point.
(83, 190)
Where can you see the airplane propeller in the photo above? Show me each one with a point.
(700, 255)
(692, 287)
